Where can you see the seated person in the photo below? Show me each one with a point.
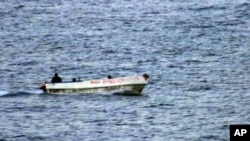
(109, 77)
(73, 79)
(56, 79)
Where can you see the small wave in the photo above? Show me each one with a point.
(200, 88)
(243, 5)
(233, 22)
(213, 137)
(109, 51)
(23, 137)
(206, 8)
(10, 94)
(2, 93)
(189, 61)
(13, 94)
(159, 105)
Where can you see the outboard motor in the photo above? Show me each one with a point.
(42, 86)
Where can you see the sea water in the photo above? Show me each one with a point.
(196, 53)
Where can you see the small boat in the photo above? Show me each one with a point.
(132, 85)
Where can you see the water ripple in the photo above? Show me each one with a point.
(195, 53)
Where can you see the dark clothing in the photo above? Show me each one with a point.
(109, 77)
(56, 79)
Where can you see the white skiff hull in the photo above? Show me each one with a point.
(124, 85)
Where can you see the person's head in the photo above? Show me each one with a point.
(56, 74)
(109, 76)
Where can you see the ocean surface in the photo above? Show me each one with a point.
(197, 54)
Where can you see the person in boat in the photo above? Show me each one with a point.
(109, 77)
(56, 79)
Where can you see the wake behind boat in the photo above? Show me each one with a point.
(132, 85)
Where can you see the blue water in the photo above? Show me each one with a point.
(196, 53)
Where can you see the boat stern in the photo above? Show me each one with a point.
(42, 86)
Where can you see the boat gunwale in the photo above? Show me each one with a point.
(97, 87)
